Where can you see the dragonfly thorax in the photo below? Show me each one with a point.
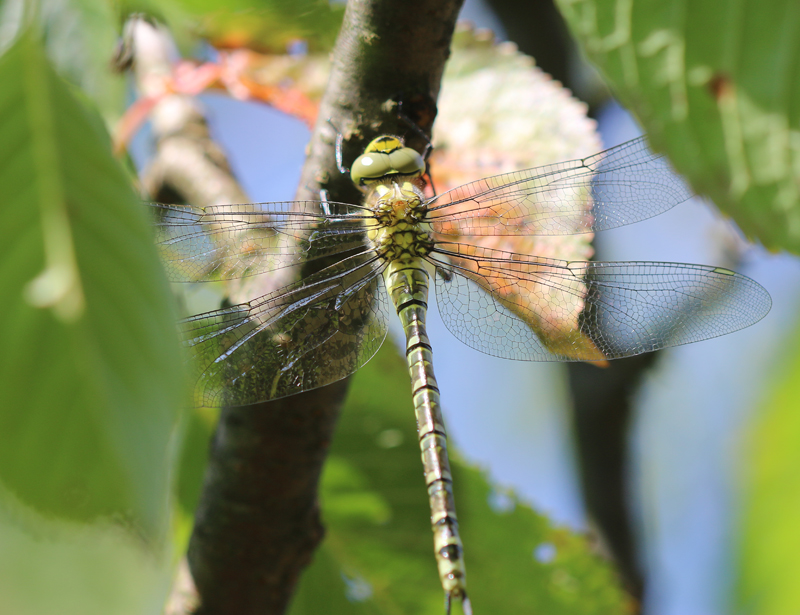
(394, 201)
(399, 210)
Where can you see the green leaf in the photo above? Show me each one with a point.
(378, 552)
(80, 37)
(90, 371)
(769, 560)
(194, 457)
(267, 25)
(49, 567)
(80, 40)
(717, 86)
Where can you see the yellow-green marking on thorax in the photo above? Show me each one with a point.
(389, 173)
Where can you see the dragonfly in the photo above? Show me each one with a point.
(381, 255)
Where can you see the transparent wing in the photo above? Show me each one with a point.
(303, 336)
(226, 242)
(622, 185)
(527, 308)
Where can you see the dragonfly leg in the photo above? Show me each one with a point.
(430, 178)
(324, 203)
(413, 125)
(339, 145)
(466, 606)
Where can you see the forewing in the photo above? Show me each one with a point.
(527, 308)
(303, 336)
(226, 242)
(622, 185)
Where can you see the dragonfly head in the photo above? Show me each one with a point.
(384, 157)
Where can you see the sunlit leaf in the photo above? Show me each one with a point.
(378, 552)
(90, 371)
(715, 84)
(267, 25)
(498, 112)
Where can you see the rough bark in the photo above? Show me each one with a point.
(258, 521)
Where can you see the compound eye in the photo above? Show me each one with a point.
(407, 161)
(372, 165)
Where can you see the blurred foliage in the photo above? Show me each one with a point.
(80, 36)
(494, 104)
(194, 455)
(268, 26)
(377, 556)
(715, 84)
(274, 26)
(91, 378)
(769, 564)
(49, 567)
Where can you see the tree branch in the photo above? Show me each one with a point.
(188, 166)
(603, 408)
